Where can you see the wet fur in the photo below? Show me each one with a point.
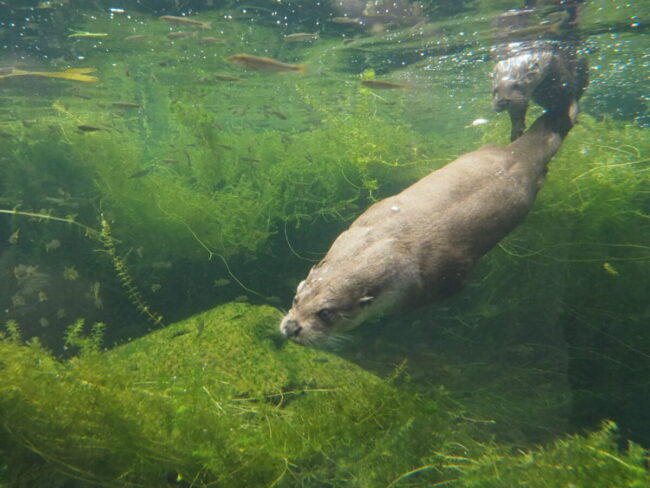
(547, 72)
(536, 54)
(420, 245)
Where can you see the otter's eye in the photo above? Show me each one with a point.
(325, 314)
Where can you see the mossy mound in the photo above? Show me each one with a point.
(214, 399)
(218, 400)
(594, 461)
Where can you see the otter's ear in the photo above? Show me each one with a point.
(365, 301)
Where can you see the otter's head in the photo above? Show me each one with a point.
(514, 80)
(326, 305)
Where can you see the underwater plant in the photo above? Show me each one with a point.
(125, 277)
(216, 399)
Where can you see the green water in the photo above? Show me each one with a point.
(156, 220)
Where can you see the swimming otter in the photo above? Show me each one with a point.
(547, 72)
(530, 66)
(420, 244)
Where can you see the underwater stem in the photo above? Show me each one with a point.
(125, 277)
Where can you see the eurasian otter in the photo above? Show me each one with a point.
(420, 244)
(536, 61)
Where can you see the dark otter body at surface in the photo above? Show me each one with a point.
(533, 65)
(420, 244)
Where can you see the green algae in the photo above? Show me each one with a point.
(549, 336)
(594, 460)
(213, 399)
(219, 400)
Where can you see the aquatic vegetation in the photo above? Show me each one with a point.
(217, 399)
(549, 337)
(212, 399)
(125, 277)
(594, 460)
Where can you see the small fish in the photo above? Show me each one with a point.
(42, 296)
(180, 333)
(180, 35)
(142, 172)
(200, 328)
(126, 105)
(301, 37)
(94, 290)
(52, 245)
(211, 40)
(24, 271)
(477, 122)
(220, 282)
(480, 121)
(267, 65)
(78, 33)
(13, 238)
(171, 161)
(384, 85)
(346, 20)
(249, 160)
(227, 78)
(185, 21)
(155, 287)
(137, 38)
(279, 115)
(17, 300)
(44, 322)
(75, 74)
(611, 270)
(88, 128)
(70, 273)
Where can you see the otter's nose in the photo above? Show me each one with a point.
(501, 104)
(290, 328)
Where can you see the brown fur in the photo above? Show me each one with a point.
(420, 244)
(532, 66)
(544, 71)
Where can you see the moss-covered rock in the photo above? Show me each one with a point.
(213, 399)
(219, 400)
(594, 460)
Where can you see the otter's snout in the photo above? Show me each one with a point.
(501, 104)
(290, 328)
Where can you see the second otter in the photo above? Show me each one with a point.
(420, 244)
(530, 66)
